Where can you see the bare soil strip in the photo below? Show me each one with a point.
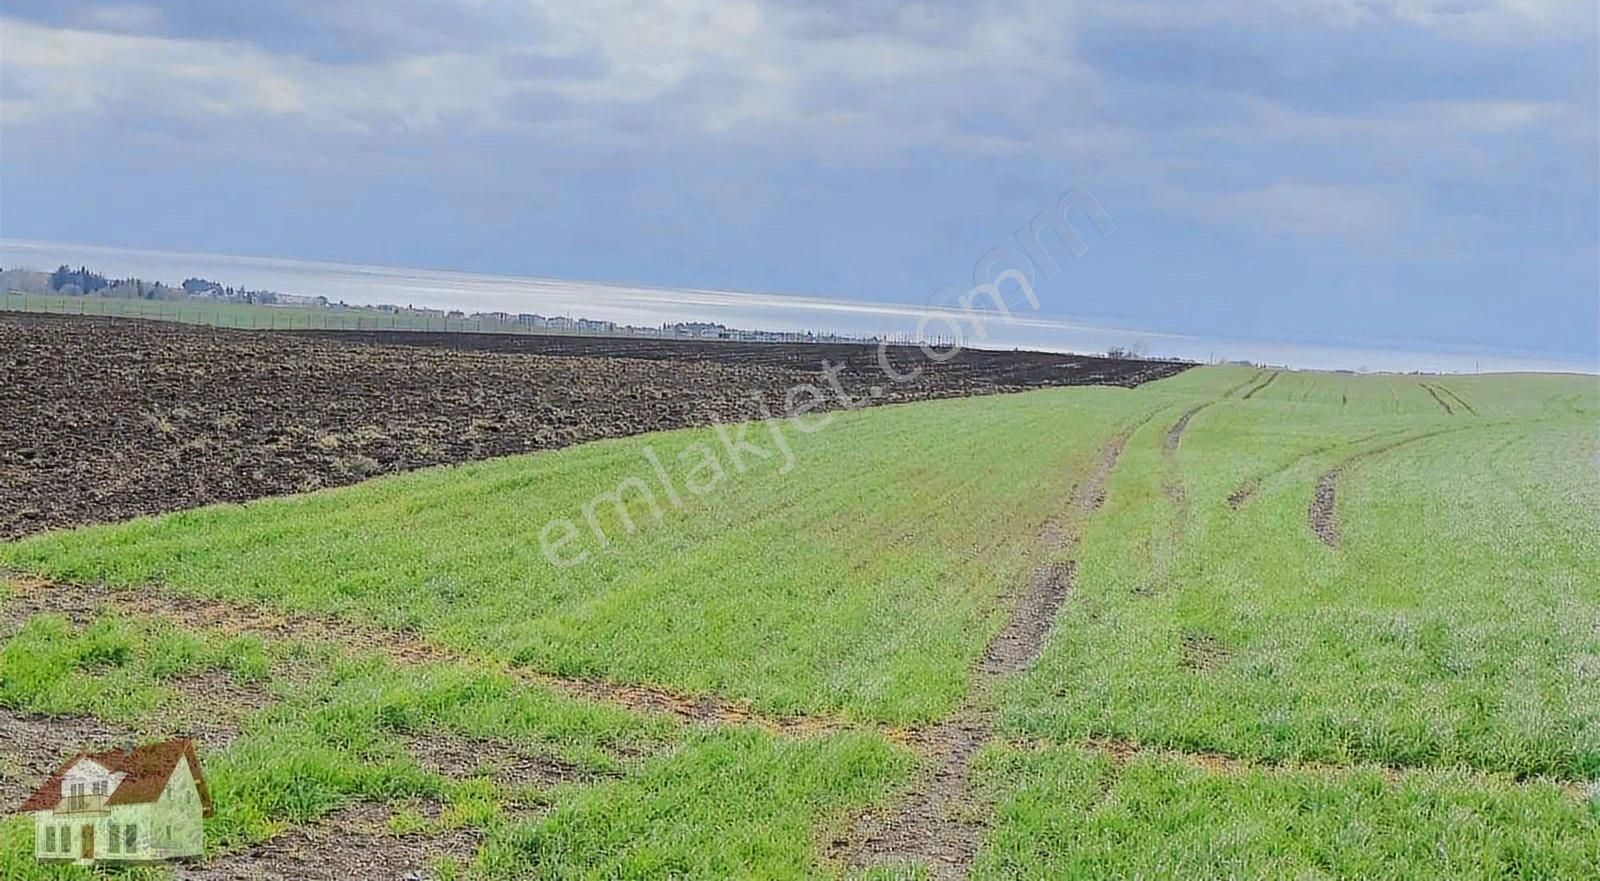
(80, 600)
(1174, 437)
(938, 825)
(353, 842)
(1258, 389)
(1448, 410)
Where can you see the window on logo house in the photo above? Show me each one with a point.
(99, 787)
(49, 839)
(131, 837)
(66, 838)
(111, 834)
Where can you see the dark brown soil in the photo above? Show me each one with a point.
(1202, 652)
(1320, 515)
(352, 843)
(108, 419)
(461, 757)
(1243, 494)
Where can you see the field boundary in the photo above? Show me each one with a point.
(79, 601)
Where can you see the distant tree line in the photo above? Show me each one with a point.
(82, 279)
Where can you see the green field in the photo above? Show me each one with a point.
(1224, 693)
(247, 316)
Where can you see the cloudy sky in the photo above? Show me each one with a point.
(1370, 173)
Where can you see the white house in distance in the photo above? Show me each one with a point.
(125, 806)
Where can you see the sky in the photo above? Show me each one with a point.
(1336, 182)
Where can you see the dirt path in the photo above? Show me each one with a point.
(938, 825)
(79, 601)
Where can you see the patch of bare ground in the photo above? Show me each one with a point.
(1434, 393)
(33, 745)
(1320, 514)
(211, 707)
(1262, 387)
(451, 755)
(397, 646)
(354, 843)
(1201, 652)
(1243, 494)
(938, 825)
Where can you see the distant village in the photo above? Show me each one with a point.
(66, 281)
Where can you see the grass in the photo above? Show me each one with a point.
(1065, 812)
(1452, 627)
(729, 804)
(1414, 703)
(780, 589)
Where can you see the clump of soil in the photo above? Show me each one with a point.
(1202, 652)
(1243, 494)
(1320, 515)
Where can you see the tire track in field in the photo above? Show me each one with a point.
(1448, 410)
(1262, 387)
(1244, 492)
(1460, 401)
(938, 825)
(1321, 514)
(1174, 436)
(1233, 390)
(79, 602)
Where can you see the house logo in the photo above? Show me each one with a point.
(138, 805)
